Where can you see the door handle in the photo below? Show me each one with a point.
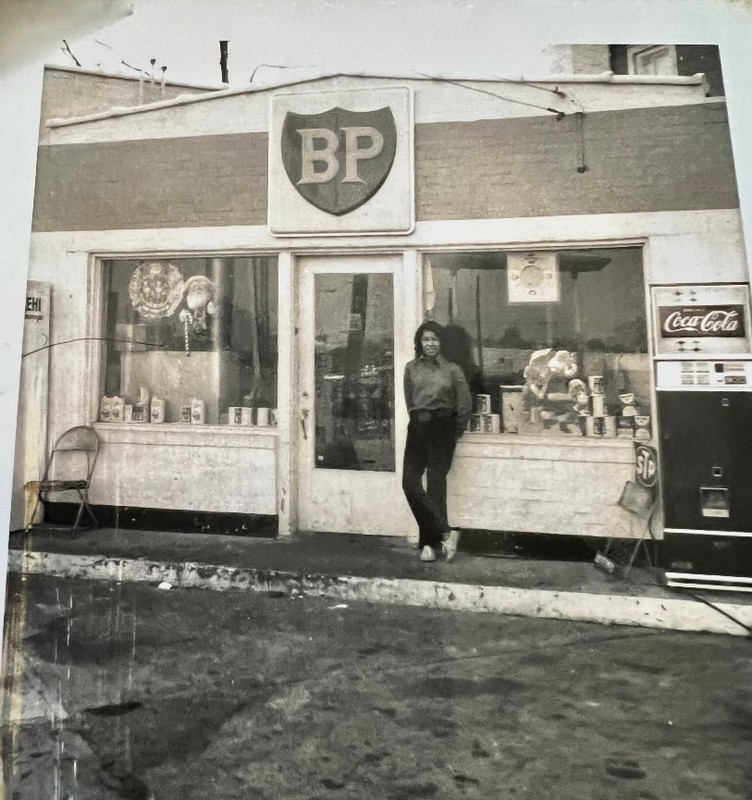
(304, 412)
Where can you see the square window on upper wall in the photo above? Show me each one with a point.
(653, 60)
(669, 59)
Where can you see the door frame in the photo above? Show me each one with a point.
(408, 312)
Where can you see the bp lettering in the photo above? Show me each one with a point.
(311, 155)
(362, 143)
(338, 159)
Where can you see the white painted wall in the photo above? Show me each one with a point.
(31, 431)
(175, 467)
(500, 482)
(707, 229)
(435, 101)
(513, 483)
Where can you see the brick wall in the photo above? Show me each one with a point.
(73, 94)
(211, 180)
(659, 159)
(638, 160)
(590, 59)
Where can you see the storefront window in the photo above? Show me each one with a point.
(190, 340)
(354, 321)
(552, 343)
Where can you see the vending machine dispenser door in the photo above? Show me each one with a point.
(706, 462)
(706, 455)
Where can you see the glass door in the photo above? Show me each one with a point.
(347, 458)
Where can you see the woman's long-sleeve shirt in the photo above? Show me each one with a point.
(435, 383)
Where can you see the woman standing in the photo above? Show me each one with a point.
(439, 403)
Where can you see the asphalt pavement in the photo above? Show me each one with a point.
(382, 570)
(124, 690)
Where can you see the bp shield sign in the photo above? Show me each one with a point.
(341, 162)
(338, 160)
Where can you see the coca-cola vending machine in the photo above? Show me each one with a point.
(704, 391)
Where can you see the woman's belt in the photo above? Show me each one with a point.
(425, 415)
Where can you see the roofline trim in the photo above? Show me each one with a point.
(602, 78)
(102, 73)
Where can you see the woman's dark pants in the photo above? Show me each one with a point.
(429, 448)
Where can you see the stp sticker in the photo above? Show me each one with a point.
(646, 465)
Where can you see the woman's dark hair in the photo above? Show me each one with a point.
(432, 326)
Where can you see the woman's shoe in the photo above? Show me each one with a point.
(427, 554)
(451, 543)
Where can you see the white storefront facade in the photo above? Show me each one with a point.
(535, 219)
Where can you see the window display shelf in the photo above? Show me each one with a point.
(179, 434)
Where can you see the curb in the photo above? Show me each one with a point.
(609, 609)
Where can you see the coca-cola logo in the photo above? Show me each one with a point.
(702, 321)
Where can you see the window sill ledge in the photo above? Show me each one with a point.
(540, 448)
(176, 434)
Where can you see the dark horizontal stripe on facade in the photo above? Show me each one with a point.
(163, 519)
(152, 183)
(635, 160)
(638, 160)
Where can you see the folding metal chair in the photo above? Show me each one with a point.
(619, 555)
(74, 455)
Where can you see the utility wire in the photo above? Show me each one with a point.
(698, 598)
(579, 115)
(499, 96)
(701, 599)
(130, 66)
(90, 339)
(278, 66)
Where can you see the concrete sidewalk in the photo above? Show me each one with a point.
(379, 570)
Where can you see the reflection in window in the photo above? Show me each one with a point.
(570, 358)
(354, 324)
(188, 338)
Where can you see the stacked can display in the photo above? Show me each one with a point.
(255, 417)
(600, 423)
(483, 421)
